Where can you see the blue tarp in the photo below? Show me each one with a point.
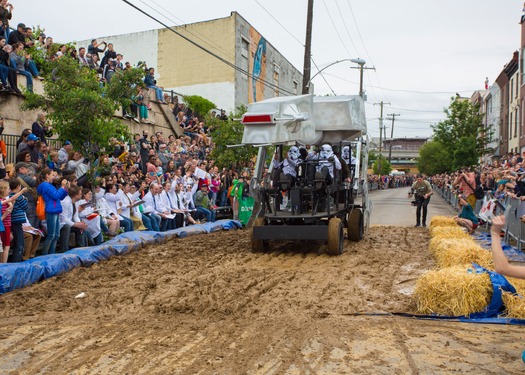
(19, 275)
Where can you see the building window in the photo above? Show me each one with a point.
(295, 87)
(245, 45)
(276, 70)
(515, 123)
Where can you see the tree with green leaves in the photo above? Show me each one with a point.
(434, 158)
(386, 167)
(199, 105)
(80, 108)
(462, 139)
(226, 133)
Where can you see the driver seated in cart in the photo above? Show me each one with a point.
(287, 167)
(327, 161)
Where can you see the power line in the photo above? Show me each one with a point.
(324, 78)
(407, 91)
(275, 19)
(346, 28)
(335, 28)
(232, 65)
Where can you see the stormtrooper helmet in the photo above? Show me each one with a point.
(293, 153)
(326, 151)
(346, 153)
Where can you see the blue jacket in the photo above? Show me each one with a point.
(52, 197)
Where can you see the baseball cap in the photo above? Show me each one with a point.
(21, 165)
(21, 25)
(66, 143)
(32, 137)
(43, 35)
(204, 185)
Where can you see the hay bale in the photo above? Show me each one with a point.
(519, 284)
(514, 305)
(442, 221)
(464, 253)
(449, 232)
(453, 291)
(439, 244)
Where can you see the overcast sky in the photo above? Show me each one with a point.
(423, 51)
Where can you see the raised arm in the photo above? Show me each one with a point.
(501, 263)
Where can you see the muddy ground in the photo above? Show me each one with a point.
(207, 305)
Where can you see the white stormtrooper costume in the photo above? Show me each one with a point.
(347, 156)
(323, 156)
(290, 163)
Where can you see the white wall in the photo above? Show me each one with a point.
(141, 46)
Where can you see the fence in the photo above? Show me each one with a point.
(10, 142)
(512, 208)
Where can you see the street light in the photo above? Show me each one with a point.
(361, 67)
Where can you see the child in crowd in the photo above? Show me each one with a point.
(7, 204)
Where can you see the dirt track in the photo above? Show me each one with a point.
(207, 305)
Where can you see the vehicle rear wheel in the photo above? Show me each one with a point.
(335, 236)
(355, 225)
(259, 245)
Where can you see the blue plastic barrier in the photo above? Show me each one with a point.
(19, 275)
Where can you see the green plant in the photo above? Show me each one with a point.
(199, 105)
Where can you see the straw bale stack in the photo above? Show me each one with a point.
(464, 255)
(453, 291)
(449, 232)
(439, 244)
(514, 305)
(442, 221)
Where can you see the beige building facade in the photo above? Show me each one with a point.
(262, 71)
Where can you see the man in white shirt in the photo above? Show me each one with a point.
(170, 200)
(153, 200)
(116, 206)
(70, 222)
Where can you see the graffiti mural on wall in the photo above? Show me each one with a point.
(257, 66)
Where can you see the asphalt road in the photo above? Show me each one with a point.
(392, 207)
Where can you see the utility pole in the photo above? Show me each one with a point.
(380, 136)
(393, 118)
(361, 67)
(307, 65)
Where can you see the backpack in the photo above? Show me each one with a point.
(479, 193)
(41, 208)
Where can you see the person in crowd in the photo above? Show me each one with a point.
(18, 62)
(32, 237)
(110, 222)
(63, 154)
(28, 180)
(18, 36)
(29, 145)
(421, 190)
(151, 83)
(82, 58)
(40, 129)
(116, 205)
(18, 218)
(467, 217)
(70, 221)
(7, 71)
(203, 203)
(52, 198)
(6, 13)
(94, 48)
(171, 201)
(466, 183)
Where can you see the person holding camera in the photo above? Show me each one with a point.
(421, 191)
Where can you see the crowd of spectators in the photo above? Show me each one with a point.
(498, 180)
(152, 182)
